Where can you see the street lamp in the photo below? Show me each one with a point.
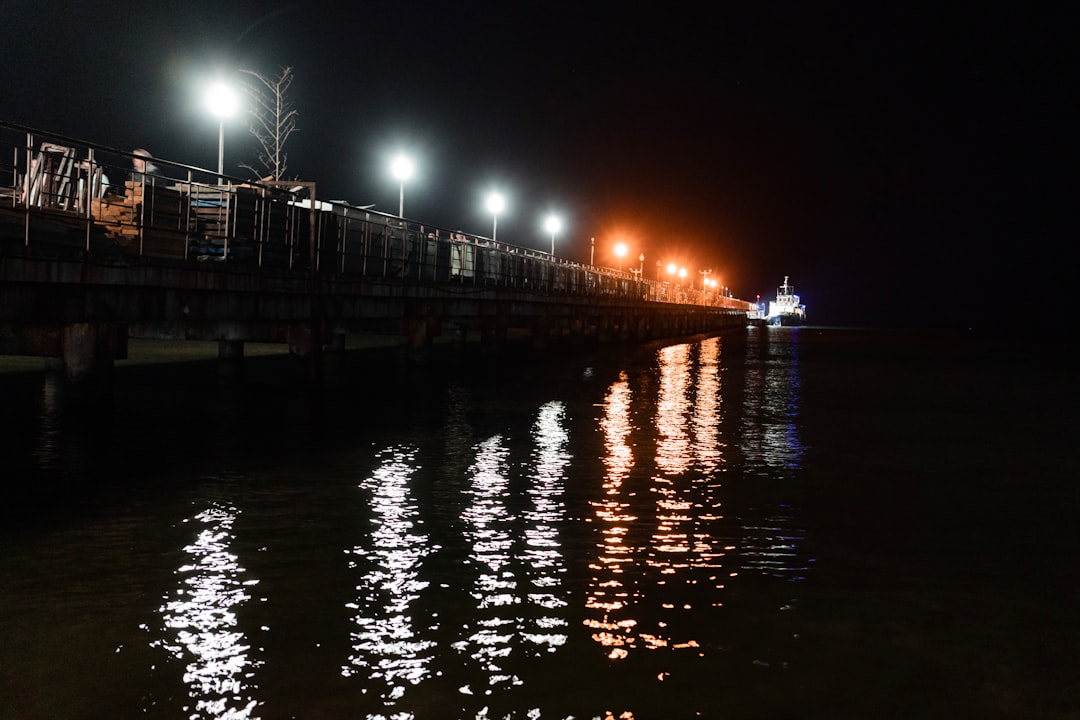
(552, 224)
(620, 250)
(705, 279)
(495, 205)
(402, 167)
(222, 102)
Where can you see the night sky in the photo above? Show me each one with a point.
(907, 166)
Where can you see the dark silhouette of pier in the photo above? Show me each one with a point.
(99, 245)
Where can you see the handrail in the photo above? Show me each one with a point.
(179, 212)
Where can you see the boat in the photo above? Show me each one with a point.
(786, 308)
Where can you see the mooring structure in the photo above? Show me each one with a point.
(99, 245)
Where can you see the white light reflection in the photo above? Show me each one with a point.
(385, 643)
(543, 559)
(770, 436)
(488, 527)
(201, 617)
(771, 546)
(772, 447)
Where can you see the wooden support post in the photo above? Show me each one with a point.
(603, 327)
(334, 359)
(418, 334)
(493, 329)
(230, 360)
(577, 328)
(87, 361)
(305, 345)
(541, 330)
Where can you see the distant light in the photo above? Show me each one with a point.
(620, 251)
(222, 100)
(682, 272)
(402, 167)
(672, 268)
(495, 205)
(553, 224)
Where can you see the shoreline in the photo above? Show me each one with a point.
(168, 352)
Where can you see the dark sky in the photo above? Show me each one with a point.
(905, 165)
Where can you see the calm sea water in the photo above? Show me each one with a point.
(777, 524)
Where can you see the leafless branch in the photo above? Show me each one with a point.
(272, 121)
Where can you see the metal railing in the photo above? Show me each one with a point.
(62, 195)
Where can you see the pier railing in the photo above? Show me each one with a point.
(61, 196)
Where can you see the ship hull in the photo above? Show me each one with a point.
(787, 320)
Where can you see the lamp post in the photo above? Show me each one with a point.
(705, 279)
(641, 264)
(552, 224)
(402, 167)
(620, 250)
(495, 205)
(222, 102)
(592, 251)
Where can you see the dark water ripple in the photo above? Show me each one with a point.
(790, 523)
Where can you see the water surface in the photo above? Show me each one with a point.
(782, 523)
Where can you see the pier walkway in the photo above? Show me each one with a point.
(99, 245)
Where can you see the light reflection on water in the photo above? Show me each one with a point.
(489, 526)
(543, 554)
(49, 446)
(473, 599)
(199, 622)
(772, 446)
(661, 571)
(608, 596)
(685, 549)
(770, 434)
(489, 530)
(385, 642)
(709, 443)
(519, 564)
(673, 443)
(771, 545)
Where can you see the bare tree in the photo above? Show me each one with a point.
(273, 120)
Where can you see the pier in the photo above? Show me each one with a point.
(99, 246)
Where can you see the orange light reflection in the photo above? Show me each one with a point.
(607, 595)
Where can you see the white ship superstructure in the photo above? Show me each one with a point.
(786, 308)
